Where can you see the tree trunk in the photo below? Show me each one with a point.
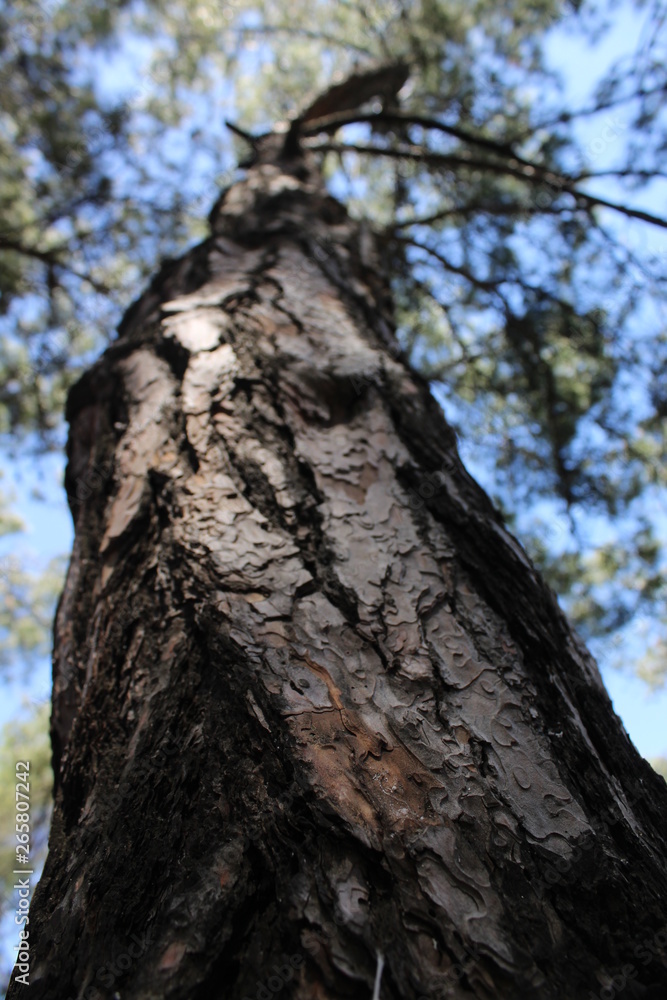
(314, 710)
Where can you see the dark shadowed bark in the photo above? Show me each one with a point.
(314, 710)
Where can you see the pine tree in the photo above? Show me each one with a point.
(319, 727)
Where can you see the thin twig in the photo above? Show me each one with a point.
(51, 259)
(567, 116)
(532, 175)
(340, 119)
(378, 975)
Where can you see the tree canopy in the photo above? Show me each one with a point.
(524, 235)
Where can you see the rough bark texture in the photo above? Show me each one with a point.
(312, 703)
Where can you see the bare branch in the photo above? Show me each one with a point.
(481, 283)
(317, 36)
(532, 174)
(567, 116)
(514, 167)
(643, 174)
(632, 213)
(497, 208)
(51, 259)
(333, 122)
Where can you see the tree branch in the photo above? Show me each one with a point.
(336, 121)
(51, 259)
(632, 213)
(531, 174)
(481, 283)
(317, 36)
(627, 172)
(567, 116)
(467, 210)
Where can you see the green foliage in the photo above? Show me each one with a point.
(520, 291)
(24, 739)
(659, 764)
(652, 667)
(27, 600)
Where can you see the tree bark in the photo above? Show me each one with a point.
(314, 710)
